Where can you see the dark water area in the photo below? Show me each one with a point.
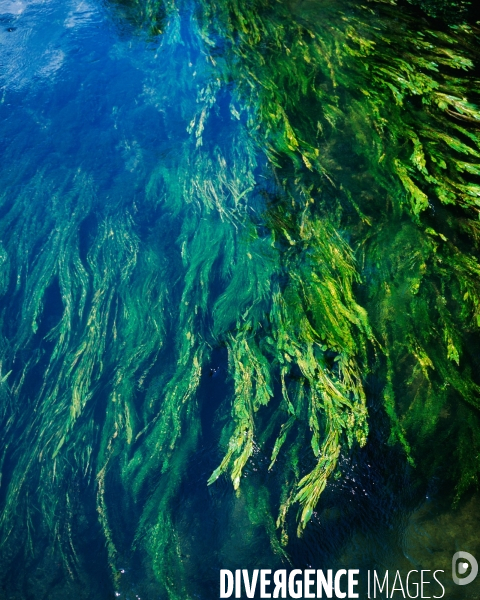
(112, 272)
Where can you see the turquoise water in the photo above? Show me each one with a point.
(132, 235)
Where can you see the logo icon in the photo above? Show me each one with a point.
(461, 562)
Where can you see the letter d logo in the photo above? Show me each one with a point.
(462, 567)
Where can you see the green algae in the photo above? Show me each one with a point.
(334, 236)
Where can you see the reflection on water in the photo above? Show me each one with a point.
(146, 245)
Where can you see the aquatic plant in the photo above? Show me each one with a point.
(329, 234)
(452, 11)
(394, 94)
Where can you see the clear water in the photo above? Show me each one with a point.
(92, 110)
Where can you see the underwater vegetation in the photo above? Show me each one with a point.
(452, 11)
(315, 223)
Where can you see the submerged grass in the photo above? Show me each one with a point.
(332, 232)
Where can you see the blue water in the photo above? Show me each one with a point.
(85, 92)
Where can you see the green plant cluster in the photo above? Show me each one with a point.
(452, 11)
(331, 236)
